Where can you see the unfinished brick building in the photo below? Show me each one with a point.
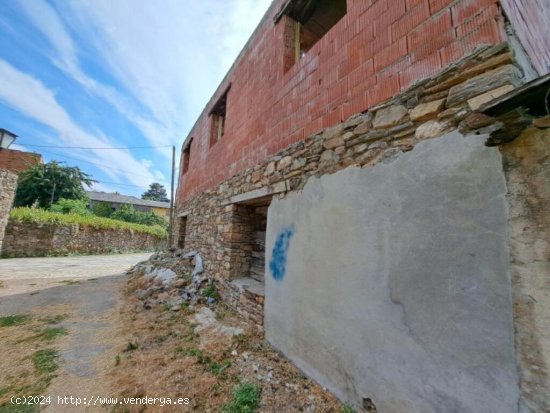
(353, 170)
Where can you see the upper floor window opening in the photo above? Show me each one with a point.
(310, 21)
(218, 114)
(186, 157)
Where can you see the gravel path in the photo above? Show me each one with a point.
(88, 289)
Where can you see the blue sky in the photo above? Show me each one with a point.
(104, 73)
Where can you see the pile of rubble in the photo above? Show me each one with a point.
(173, 278)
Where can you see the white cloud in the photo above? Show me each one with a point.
(39, 103)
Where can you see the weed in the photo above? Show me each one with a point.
(246, 399)
(117, 360)
(51, 333)
(132, 345)
(211, 292)
(347, 408)
(45, 361)
(2, 284)
(14, 320)
(217, 368)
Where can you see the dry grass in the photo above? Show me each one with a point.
(169, 358)
(28, 358)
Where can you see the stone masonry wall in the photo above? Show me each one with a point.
(428, 109)
(527, 169)
(8, 185)
(29, 239)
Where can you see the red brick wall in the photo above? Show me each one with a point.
(379, 48)
(531, 21)
(17, 161)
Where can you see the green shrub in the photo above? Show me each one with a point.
(47, 217)
(127, 213)
(246, 399)
(71, 206)
(102, 209)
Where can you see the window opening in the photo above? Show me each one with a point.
(218, 114)
(311, 20)
(186, 157)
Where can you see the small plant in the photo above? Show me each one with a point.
(132, 345)
(117, 360)
(51, 333)
(246, 399)
(211, 292)
(218, 368)
(2, 284)
(14, 320)
(347, 408)
(45, 361)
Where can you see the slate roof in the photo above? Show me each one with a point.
(125, 199)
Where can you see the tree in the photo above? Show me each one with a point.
(156, 192)
(129, 214)
(45, 184)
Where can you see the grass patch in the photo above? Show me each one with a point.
(47, 217)
(51, 333)
(45, 361)
(132, 345)
(218, 368)
(14, 320)
(346, 408)
(246, 399)
(2, 284)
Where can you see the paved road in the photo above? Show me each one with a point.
(86, 290)
(25, 275)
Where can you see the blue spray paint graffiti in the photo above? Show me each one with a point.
(277, 265)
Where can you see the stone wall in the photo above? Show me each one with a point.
(8, 185)
(30, 239)
(527, 167)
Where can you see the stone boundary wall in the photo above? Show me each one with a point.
(30, 239)
(430, 108)
(8, 185)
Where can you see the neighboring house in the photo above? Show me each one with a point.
(18, 161)
(348, 172)
(161, 209)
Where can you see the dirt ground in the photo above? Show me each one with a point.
(108, 344)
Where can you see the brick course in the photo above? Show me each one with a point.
(17, 161)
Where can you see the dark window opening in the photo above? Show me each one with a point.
(309, 21)
(218, 119)
(186, 157)
(181, 232)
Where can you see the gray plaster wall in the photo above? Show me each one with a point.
(392, 282)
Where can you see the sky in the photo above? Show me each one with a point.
(115, 74)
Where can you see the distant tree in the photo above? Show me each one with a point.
(45, 184)
(156, 192)
(71, 206)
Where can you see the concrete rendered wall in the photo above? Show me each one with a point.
(392, 282)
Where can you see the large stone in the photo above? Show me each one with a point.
(334, 142)
(432, 128)
(427, 111)
(505, 75)
(389, 116)
(476, 102)
(284, 163)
